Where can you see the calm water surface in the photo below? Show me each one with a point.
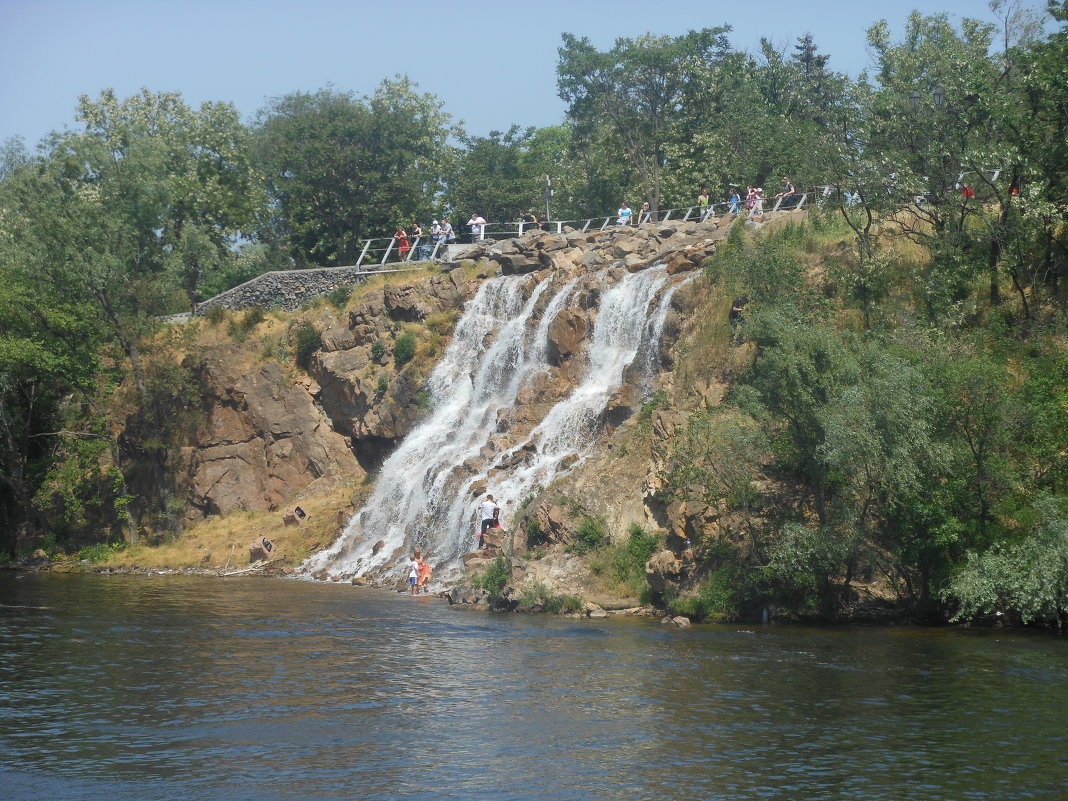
(173, 687)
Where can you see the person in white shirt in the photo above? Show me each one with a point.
(488, 511)
(624, 214)
(413, 572)
(476, 223)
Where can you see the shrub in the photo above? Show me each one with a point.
(99, 552)
(215, 315)
(239, 329)
(494, 577)
(591, 533)
(628, 561)
(383, 384)
(537, 595)
(715, 597)
(378, 350)
(340, 296)
(404, 348)
(308, 340)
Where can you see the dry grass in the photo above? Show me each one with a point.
(219, 542)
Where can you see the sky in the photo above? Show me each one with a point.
(492, 64)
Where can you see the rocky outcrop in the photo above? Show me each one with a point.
(264, 440)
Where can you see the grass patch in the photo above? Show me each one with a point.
(536, 596)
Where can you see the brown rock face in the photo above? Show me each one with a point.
(264, 441)
(566, 334)
(663, 571)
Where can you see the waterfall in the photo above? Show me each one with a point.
(423, 496)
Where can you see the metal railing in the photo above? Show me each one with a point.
(392, 250)
(379, 252)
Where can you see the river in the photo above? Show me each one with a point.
(175, 687)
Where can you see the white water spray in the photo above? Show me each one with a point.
(423, 497)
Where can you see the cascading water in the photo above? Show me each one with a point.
(423, 497)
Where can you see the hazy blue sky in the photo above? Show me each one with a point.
(493, 64)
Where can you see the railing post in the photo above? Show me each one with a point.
(607, 220)
(389, 248)
(668, 215)
(437, 247)
(359, 261)
(801, 202)
(775, 208)
(586, 227)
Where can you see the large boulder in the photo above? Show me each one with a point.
(662, 571)
(566, 335)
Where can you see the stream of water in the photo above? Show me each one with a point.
(171, 687)
(425, 493)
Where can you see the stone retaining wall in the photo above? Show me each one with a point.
(290, 289)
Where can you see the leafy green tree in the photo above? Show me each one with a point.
(340, 169)
(637, 88)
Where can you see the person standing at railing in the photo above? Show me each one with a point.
(476, 224)
(624, 214)
(403, 246)
(788, 196)
(645, 214)
(703, 200)
(422, 247)
(529, 222)
(750, 198)
(734, 201)
(543, 223)
(758, 203)
(448, 235)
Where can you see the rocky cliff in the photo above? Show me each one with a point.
(274, 434)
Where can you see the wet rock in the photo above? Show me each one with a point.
(567, 332)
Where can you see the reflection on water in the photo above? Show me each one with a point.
(185, 688)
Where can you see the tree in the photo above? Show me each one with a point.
(638, 89)
(340, 169)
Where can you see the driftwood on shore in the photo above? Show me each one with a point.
(250, 569)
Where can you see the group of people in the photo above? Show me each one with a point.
(753, 202)
(419, 571)
(440, 233)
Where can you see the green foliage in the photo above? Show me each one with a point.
(590, 533)
(1027, 577)
(536, 595)
(378, 350)
(340, 296)
(495, 575)
(627, 559)
(340, 169)
(715, 597)
(404, 348)
(382, 384)
(100, 552)
(307, 341)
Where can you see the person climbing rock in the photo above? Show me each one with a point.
(489, 511)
